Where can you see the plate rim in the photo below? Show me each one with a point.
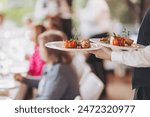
(116, 47)
(70, 49)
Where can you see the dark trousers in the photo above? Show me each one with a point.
(142, 93)
(96, 64)
(67, 27)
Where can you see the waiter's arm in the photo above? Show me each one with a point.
(140, 58)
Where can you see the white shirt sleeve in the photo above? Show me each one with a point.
(140, 58)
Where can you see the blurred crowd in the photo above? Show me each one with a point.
(54, 74)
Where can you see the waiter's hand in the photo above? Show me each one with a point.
(103, 53)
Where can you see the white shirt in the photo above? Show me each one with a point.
(94, 18)
(140, 58)
(51, 8)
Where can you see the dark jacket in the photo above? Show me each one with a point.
(141, 76)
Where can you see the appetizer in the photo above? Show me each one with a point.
(70, 44)
(77, 44)
(117, 40)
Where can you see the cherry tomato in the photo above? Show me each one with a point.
(70, 44)
(73, 44)
(115, 42)
(66, 44)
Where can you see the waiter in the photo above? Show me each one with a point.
(141, 76)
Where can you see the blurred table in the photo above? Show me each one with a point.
(14, 45)
(9, 88)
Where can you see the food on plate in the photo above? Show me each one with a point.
(77, 44)
(105, 40)
(85, 44)
(70, 44)
(117, 40)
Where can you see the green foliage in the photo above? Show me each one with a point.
(119, 10)
(79, 4)
(16, 14)
(3, 1)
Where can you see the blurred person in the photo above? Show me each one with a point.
(35, 61)
(55, 8)
(1, 19)
(140, 59)
(66, 14)
(95, 23)
(28, 21)
(28, 25)
(1, 26)
(46, 7)
(59, 80)
(52, 23)
(6, 24)
(7, 33)
(94, 18)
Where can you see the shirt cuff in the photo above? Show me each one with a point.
(116, 57)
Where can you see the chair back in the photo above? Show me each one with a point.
(91, 87)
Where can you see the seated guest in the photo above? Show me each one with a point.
(35, 62)
(59, 80)
(52, 23)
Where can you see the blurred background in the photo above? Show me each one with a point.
(84, 18)
(125, 11)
